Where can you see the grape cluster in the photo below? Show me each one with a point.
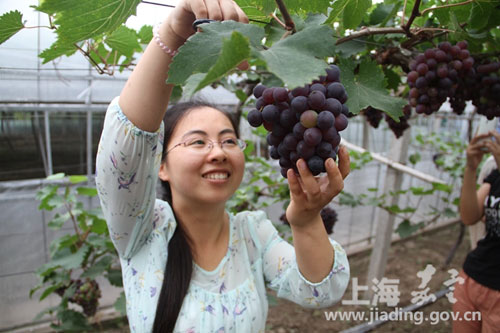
(487, 89)
(87, 294)
(437, 74)
(373, 116)
(328, 215)
(304, 122)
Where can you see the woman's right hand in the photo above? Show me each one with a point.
(187, 11)
(475, 151)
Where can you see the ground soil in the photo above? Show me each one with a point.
(406, 259)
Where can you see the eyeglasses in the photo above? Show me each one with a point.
(203, 146)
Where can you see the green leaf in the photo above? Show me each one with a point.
(393, 79)
(395, 209)
(349, 199)
(115, 277)
(337, 8)
(415, 158)
(56, 176)
(121, 304)
(145, 34)
(98, 268)
(380, 13)
(354, 12)
(189, 60)
(442, 187)
(49, 291)
(480, 14)
(421, 191)
(297, 59)
(70, 261)
(406, 229)
(10, 24)
(234, 51)
(367, 89)
(77, 179)
(78, 20)
(58, 221)
(124, 40)
(56, 50)
(72, 321)
(87, 191)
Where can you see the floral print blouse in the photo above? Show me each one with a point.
(232, 297)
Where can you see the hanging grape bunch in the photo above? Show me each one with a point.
(87, 294)
(375, 116)
(487, 89)
(437, 74)
(304, 122)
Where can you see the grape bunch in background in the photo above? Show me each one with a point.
(486, 96)
(304, 122)
(375, 116)
(436, 75)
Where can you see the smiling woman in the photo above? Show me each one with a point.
(189, 265)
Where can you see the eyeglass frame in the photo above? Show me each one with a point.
(241, 144)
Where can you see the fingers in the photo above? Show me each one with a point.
(335, 178)
(228, 9)
(479, 138)
(309, 183)
(344, 162)
(296, 192)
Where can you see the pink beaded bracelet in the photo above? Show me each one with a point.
(165, 48)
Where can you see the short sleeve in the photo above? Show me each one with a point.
(282, 273)
(492, 177)
(127, 164)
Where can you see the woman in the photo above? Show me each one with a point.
(188, 265)
(480, 290)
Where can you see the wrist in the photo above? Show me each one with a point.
(167, 39)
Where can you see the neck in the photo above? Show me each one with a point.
(205, 226)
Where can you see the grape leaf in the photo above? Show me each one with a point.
(480, 14)
(10, 24)
(316, 6)
(83, 19)
(124, 40)
(337, 8)
(234, 51)
(354, 12)
(56, 50)
(367, 89)
(145, 34)
(201, 51)
(295, 59)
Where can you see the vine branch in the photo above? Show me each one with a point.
(414, 13)
(290, 25)
(370, 31)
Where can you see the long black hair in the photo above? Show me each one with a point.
(179, 266)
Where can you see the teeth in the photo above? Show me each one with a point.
(217, 176)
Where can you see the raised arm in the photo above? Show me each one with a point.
(145, 97)
(471, 199)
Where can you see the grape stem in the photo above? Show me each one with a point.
(273, 15)
(370, 31)
(289, 24)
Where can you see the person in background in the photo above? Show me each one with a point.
(480, 290)
(188, 264)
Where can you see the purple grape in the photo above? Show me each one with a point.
(298, 131)
(301, 91)
(258, 90)
(319, 87)
(271, 114)
(254, 118)
(341, 123)
(330, 134)
(316, 100)
(280, 95)
(287, 119)
(333, 105)
(335, 90)
(324, 149)
(283, 151)
(333, 74)
(273, 153)
(304, 150)
(313, 136)
(272, 139)
(325, 120)
(285, 163)
(290, 142)
(316, 165)
(267, 95)
(299, 104)
(279, 131)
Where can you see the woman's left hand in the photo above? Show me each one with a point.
(493, 146)
(310, 194)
